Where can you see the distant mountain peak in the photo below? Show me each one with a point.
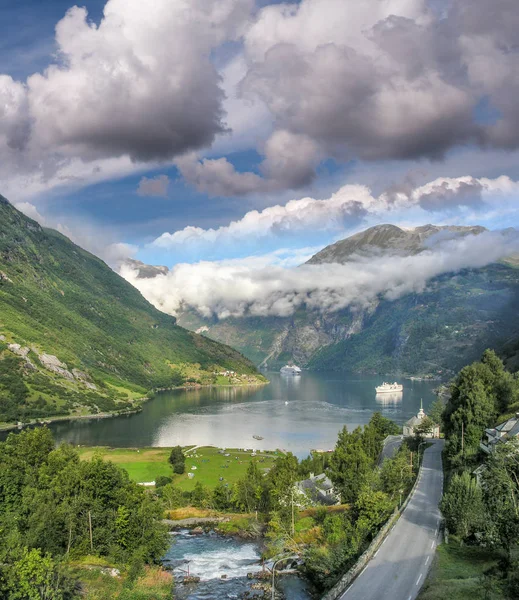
(389, 239)
(145, 271)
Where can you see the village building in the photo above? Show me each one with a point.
(319, 489)
(505, 431)
(409, 426)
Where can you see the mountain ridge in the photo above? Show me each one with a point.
(388, 237)
(431, 333)
(76, 338)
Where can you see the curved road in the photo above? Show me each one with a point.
(399, 567)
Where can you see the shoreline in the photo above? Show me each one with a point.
(5, 428)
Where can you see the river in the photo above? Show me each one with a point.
(293, 413)
(211, 556)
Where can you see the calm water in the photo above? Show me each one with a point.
(293, 413)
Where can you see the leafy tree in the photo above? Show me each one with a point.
(471, 408)
(248, 492)
(396, 474)
(222, 497)
(37, 577)
(372, 508)
(349, 464)
(161, 481)
(500, 483)
(172, 497)
(201, 496)
(278, 486)
(436, 411)
(463, 506)
(177, 460)
(424, 428)
(383, 425)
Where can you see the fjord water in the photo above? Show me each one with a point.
(292, 413)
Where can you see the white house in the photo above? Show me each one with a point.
(319, 489)
(409, 426)
(503, 432)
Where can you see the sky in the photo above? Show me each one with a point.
(188, 132)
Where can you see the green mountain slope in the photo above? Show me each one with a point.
(77, 338)
(432, 333)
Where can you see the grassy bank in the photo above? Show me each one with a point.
(457, 574)
(98, 584)
(146, 464)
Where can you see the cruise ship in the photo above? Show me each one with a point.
(290, 370)
(388, 388)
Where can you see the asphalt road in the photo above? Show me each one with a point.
(392, 444)
(399, 567)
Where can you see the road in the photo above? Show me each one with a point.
(391, 445)
(399, 567)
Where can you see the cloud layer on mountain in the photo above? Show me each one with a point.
(241, 288)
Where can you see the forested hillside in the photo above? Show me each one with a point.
(75, 338)
(434, 332)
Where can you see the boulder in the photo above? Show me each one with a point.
(17, 349)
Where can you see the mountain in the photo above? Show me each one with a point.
(384, 239)
(76, 338)
(431, 333)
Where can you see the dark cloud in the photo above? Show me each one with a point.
(443, 196)
(155, 186)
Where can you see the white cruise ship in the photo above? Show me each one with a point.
(290, 370)
(389, 388)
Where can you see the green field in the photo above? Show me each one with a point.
(146, 464)
(457, 574)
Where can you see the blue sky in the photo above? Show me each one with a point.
(158, 128)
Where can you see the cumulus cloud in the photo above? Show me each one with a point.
(141, 84)
(239, 288)
(347, 208)
(289, 163)
(154, 186)
(341, 79)
(375, 80)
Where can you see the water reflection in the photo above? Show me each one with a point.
(296, 413)
(389, 398)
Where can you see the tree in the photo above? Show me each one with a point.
(500, 483)
(172, 497)
(462, 506)
(278, 487)
(396, 473)
(471, 408)
(424, 428)
(248, 492)
(349, 464)
(222, 497)
(436, 411)
(201, 496)
(177, 460)
(373, 509)
(37, 577)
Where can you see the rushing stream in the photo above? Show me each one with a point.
(209, 556)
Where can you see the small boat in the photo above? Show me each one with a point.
(290, 370)
(388, 388)
(257, 437)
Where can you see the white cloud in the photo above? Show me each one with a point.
(248, 287)
(347, 208)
